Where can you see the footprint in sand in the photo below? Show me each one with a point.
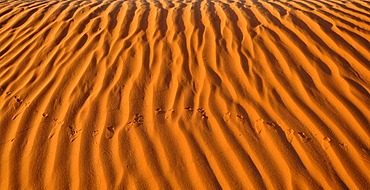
(261, 124)
(17, 103)
(95, 133)
(326, 143)
(52, 133)
(227, 116)
(365, 154)
(289, 135)
(137, 120)
(18, 99)
(343, 146)
(189, 109)
(159, 111)
(109, 132)
(21, 110)
(203, 113)
(169, 113)
(258, 125)
(242, 118)
(55, 124)
(72, 133)
(303, 137)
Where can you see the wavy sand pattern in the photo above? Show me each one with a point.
(256, 94)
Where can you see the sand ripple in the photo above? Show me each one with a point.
(205, 94)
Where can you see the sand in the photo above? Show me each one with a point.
(262, 94)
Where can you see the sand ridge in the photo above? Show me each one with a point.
(209, 94)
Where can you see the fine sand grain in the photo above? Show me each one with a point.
(209, 94)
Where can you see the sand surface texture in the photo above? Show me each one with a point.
(256, 94)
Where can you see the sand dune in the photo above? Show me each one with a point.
(255, 94)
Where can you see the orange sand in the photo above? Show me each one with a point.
(262, 94)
